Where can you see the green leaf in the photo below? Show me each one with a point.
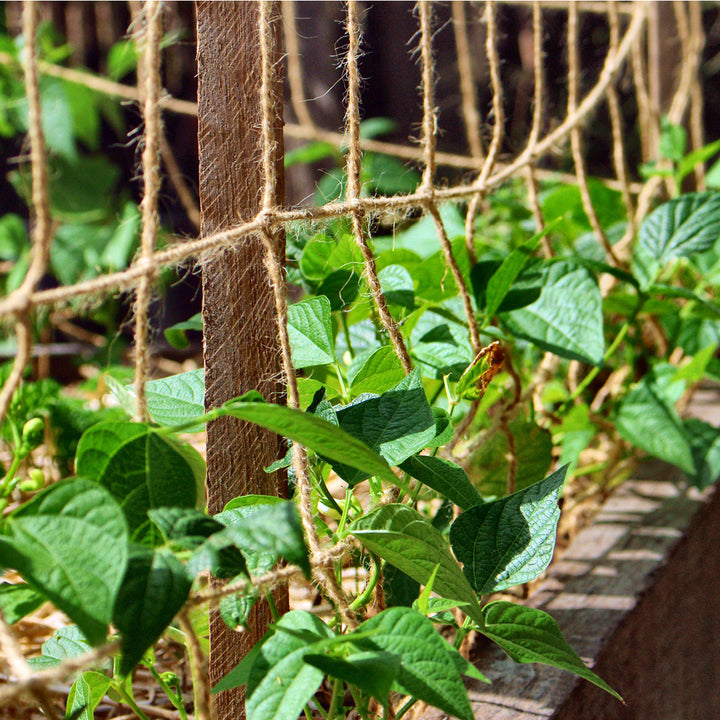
(533, 455)
(142, 469)
(427, 666)
(310, 331)
(399, 588)
(323, 254)
(444, 429)
(176, 336)
(465, 667)
(318, 435)
(122, 58)
(57, 118)
(118, 251)
(673, 140)
(397, 286)
(373, 672)
(377, 126)
(381, 371)
(529, 635)
(13, 237)
(503, 278)
(272, 527)
(235, 609)
(404, 538)
(704, 442)
(177, 399)
(421, 237)
(682, 227)
(17, 601)
(447, 478)
(154, 589)
(340, 287)
(421, 604)
(509, 541)
(696, 157)
(280, 683)
(187, 527)
(70, 542)
(396, 425)
(649, 422)
(565, 201)
(86, 694)
(712, 177)
(84, 190)
(310, 153)
(65, 643)
(567, 317)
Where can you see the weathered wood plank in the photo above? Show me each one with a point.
(241, 348)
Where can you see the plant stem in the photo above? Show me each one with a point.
(405, 708)
(6, 485)
(273, 607)
(594, 372)
(346, 332)
(174, 697)
(364, 597)
(129, 700)
(335, 699)
(360, 707)
(345, 512)
(343, 388)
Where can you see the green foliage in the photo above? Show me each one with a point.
(71, 543)
(128, 539)
(509, 541)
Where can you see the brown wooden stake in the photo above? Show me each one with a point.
(241, 350)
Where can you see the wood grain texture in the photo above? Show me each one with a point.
(241, 347)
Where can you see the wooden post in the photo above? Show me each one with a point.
(241, 347)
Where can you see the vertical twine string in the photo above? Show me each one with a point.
(274, 261)
(675, 114)
(538, 93)
(429, 142)
(42, 228)
(616, 120)
(149, 205)
(498, 112)
(294, 68)
(354, 159)
(697, 40)
(645, 116)
(198, 669)
(429, 111)
(471, 116)
(576, 137)
(691, 37)
(498, 126)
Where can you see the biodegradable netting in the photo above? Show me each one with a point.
(485, 167)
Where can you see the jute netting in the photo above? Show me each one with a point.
(485, 166)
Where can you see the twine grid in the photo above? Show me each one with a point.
(490, 173)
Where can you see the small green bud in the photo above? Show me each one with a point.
(35, 481)
(32, 434)
(4, 502)
(170, 678)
